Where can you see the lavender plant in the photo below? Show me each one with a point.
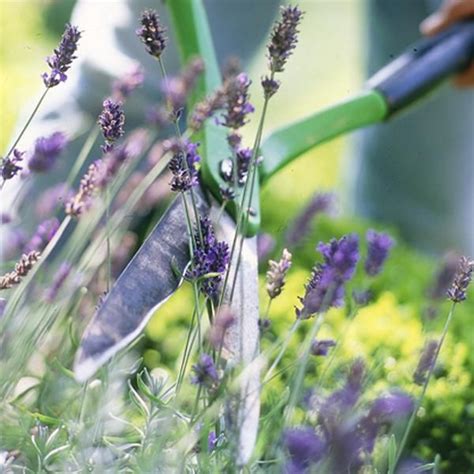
(321, 412)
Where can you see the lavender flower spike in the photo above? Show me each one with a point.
(88, 186)
(61, 60)
(63, 272)
(426, 362)
(304, 447)
(111, 121)
(22, 268)
(9, 167)
(183, 164)
(276, 274)
(205, 372)
(237, 103)
(284, 38)
(44, 233)
(326, 285)
(152, 33)
(46, 151)
(321, 347)
(379, 245)
(457, 292)
(124, 86)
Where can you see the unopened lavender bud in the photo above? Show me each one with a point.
(22, 268)
(123, 87)
(152, 34)
(426, 362)
(457, 292)
(444, 276)
(46, 152)
(184, 165)
(321, 347)
(284, 38)
(276, 274)
(238, 106)
(87, 188)
(270, 87)
(379, 245)
(9, 166)
(60, 61)
(205, 372)
(111, 121)
(44, 233)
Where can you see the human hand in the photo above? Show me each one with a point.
(450, 12)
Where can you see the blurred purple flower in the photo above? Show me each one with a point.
(362, 297)
(53, 197)
(463, 277)
(305, 448)
(61, 60)
(152, 34)
(444, 276)
(183, 164)
(3, 304)
(211, 441)
(206, 109)
(321, 347)
(326, 285)
(284, 38)
(223, 321)
(111, 121)
(210, 256)
(205, 372)
(46, 151)
(44, 233)
(9, 166)
(61, 275)
(123, 87)
(265, 245)
(237, 102)
(379, 245)
(82, 200)
(425, 364)
(299, 228)
(5, 218)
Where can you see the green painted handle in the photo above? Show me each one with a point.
(291, 141)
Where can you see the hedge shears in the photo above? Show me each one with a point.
(150, 279)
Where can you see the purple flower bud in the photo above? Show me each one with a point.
(299, 229)
(5, 218)
(111, 121)
(391, 407)
(379, 245)
(426, 362)
(270, 87)
(237, 102)
(362, 297)
(321, 347)
(61, 60)
(304, 447)
(152, 34)
(88, 186)
(205, 372)
(284, 38)
(276, 274)
(211, 441)
(123, 87)
(9, 167)
(183, 164)
(444, 277)
(63, 272)
(326, 285)
(44, 233)
(457, 292)
(46, 151)
(53, 197)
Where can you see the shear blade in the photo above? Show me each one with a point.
(146, 283)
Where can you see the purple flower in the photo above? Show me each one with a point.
(391, 406)
(457, 292)
(326, 285)
(362, 297)
(426, 362)
(111, 121)
(210, 257)
(5, 218)
(276, 274)
(9, 167)
(304, 447)
(223, 321)
(44, 233)
(176, 89)
(379, 245)
(205, 372)
(284, 38)
(63, 272)
(319, 203)
(270, 87)
(46, 151)
(444, 277)
(206, 109)
(321, 347)
(88, 186)
(50, 199)
(152, 34)
(61, 60)
(3, 305)
(237, 102)
(123, 87)
(265, 245)
(183, 165)
(211, 441)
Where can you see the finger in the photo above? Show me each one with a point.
(449, 13)
(466, 78)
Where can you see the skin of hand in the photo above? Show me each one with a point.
(450, 12)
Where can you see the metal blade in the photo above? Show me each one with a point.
(242, 342)
(146, 283)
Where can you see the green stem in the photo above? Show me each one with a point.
(423, 392)
(83, 154)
